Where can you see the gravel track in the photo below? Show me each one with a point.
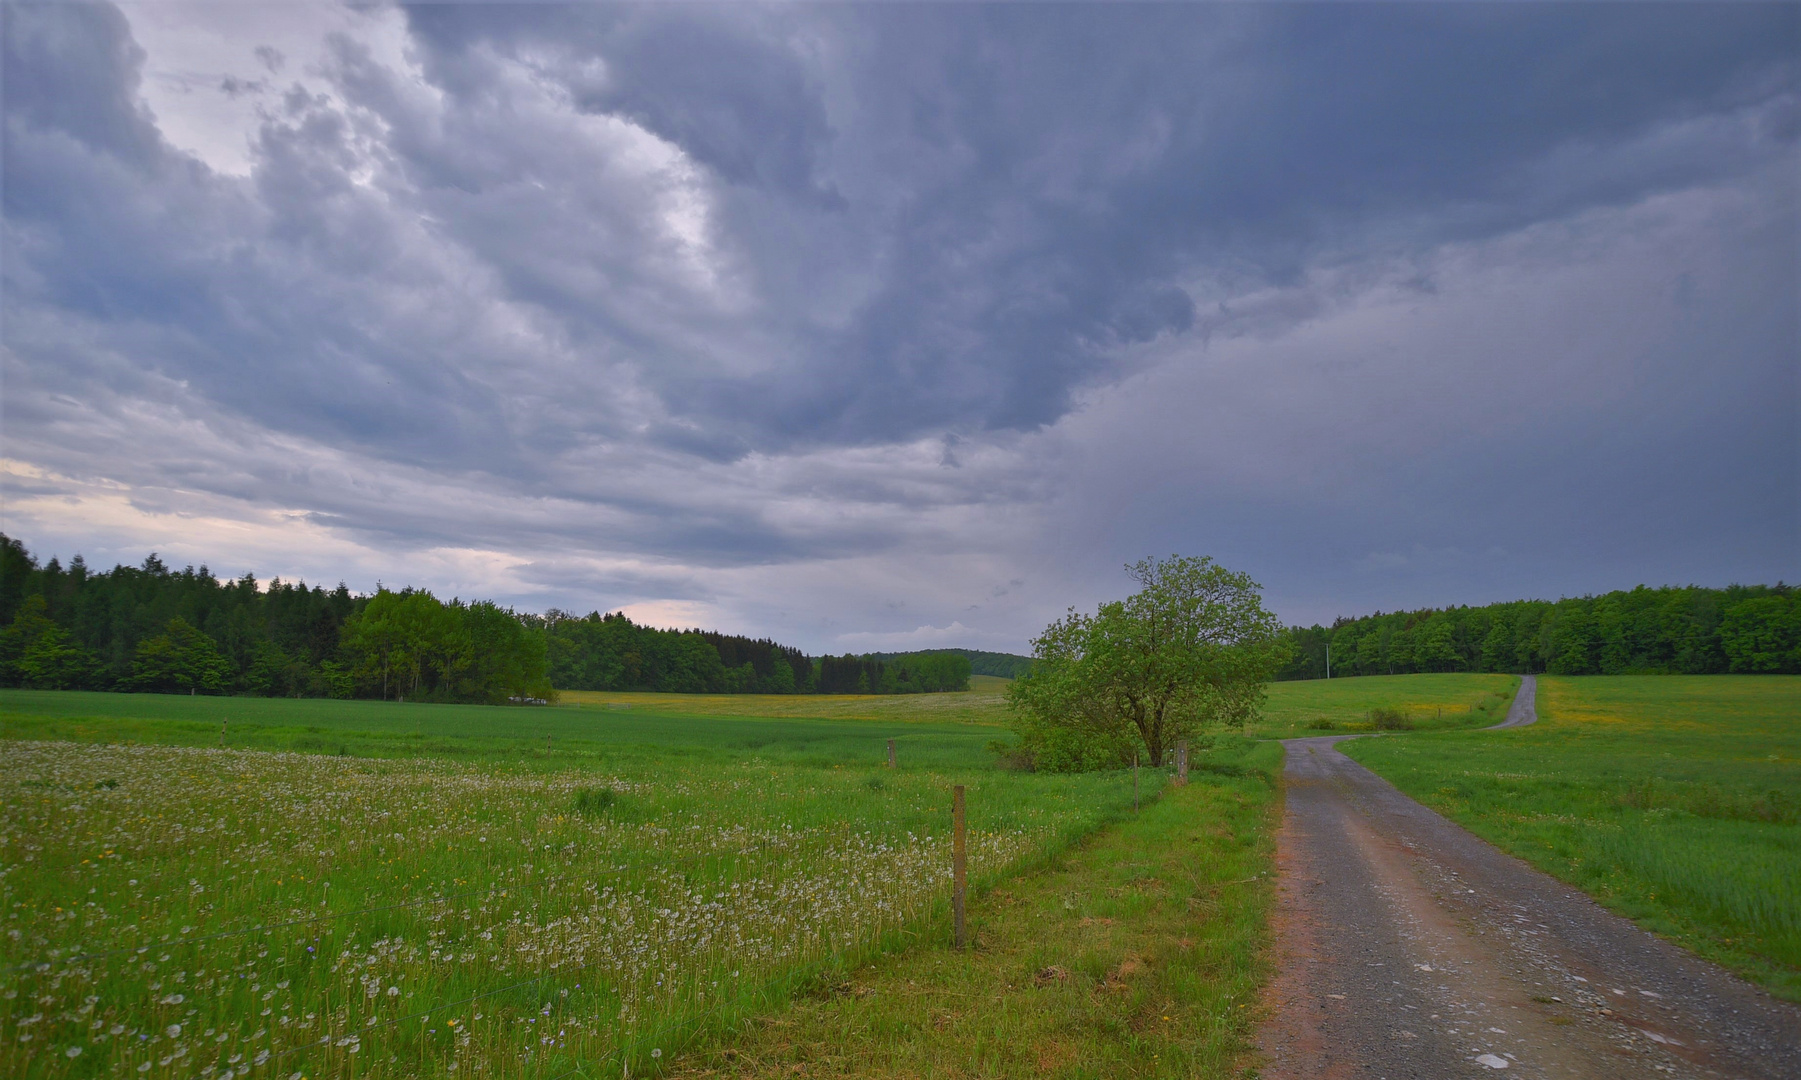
(1410, 948)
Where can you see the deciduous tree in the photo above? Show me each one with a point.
(1192, 648)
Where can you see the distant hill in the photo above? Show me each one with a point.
(1005, 665)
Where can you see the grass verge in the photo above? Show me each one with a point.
(1674, 800)
(1136, 953)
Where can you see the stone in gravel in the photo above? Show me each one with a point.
(1492, 1061)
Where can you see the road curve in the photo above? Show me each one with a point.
(1409, 948)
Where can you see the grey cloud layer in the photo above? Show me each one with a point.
(743, 287)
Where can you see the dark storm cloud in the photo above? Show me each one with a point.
(650, 279)
(1040, 183)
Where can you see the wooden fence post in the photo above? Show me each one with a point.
(891, 753)
(1134, 781)
(959, 867)
(1181, 761)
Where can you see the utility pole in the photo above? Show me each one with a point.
(1328, 659)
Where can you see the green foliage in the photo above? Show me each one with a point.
(905, 673)
(1193, 647)
(1000, 665)
(36, 652)
(148, 628)
(1763, 634)
(1679, 631)
(928, 672)
(610, 652)
(1390, 719)
(180, 658)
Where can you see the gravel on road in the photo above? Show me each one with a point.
(1407, 947)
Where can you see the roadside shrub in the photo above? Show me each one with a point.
(1387, 719)
(1321, 723)
(1069, 750)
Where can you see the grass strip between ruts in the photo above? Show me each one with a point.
(1138, 952)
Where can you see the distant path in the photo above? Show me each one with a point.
(1409, 948)
(1524, 709)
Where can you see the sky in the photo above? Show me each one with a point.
(906, 325)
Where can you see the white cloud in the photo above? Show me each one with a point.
(207, 83)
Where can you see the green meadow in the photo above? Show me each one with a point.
(936, 731)
(609, 727)
(204, 885)
(1428, 703)
(1674, 800)
(983, 703)
(737, 884)
(1137, 952)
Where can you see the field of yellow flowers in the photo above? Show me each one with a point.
(184, 912)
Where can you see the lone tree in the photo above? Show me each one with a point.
(1193, 647)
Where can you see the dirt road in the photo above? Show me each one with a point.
(1409, 948)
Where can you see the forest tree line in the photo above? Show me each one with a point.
(153, 628)
(1000, 664)
(156, 629)
(1745, 629)
(610, 652)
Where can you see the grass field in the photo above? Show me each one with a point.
(931, 730)
(625, 727)
(464, 890)
(436, 894)
(1674, 800)
(983, 703)
(1430, 702)
(1137, 953)
(1293, 708)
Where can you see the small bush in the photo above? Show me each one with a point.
(1321, 723)
(1387, 719)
